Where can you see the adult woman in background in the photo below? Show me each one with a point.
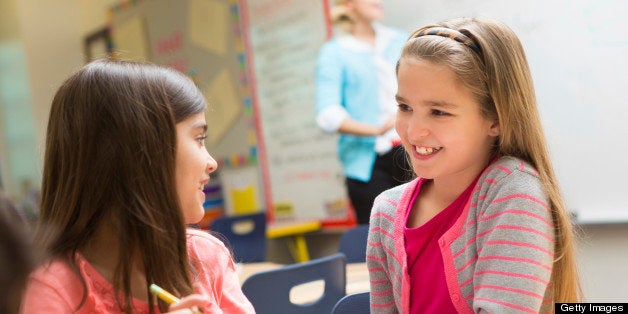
(355, 88)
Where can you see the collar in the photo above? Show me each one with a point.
(383, 35)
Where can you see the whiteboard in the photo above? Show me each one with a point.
(299, 161)
(578, 55)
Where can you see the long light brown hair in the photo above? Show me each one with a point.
(110, 161)
(499, 77)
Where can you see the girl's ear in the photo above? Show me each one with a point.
(494, 129)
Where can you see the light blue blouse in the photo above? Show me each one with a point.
(348, 85)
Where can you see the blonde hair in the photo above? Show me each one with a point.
(499, 77)
(341, 16)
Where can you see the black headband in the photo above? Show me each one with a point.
(450, 33)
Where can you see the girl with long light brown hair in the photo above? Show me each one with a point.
(483, 228)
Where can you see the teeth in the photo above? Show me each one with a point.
(424, 151)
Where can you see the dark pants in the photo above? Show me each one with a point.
(389, 170)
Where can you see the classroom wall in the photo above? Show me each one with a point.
(52, 32)
(43, 42)
(603, 257)
(53, 48)
(19, 161)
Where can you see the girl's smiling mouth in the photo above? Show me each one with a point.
(426, 151)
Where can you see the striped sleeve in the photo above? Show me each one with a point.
(515, 244)
(380, 256)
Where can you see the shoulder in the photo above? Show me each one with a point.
(509, 170)
(513, 183)
(394, 193)
(214, 268)
(330, 46)
(205, 246)
(389, 200)
(52, 286)
(204, 239)
(330, 53)
(347, 46)
(55, 273)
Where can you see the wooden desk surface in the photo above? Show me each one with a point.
(357, 280)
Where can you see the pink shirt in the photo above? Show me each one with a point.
(428, 286)
(55, 288)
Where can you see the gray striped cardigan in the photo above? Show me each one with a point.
(497, 256)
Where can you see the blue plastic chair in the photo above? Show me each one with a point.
(353, 244)
(244, 234)
(269, 291)
(357, 303)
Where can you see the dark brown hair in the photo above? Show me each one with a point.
(110, 160)
(16, 255)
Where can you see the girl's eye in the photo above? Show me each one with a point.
(439, 113)
(404, 108)
(201, 139)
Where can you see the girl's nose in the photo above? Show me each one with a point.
(418, 130)
(212, 165)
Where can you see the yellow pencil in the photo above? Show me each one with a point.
(163, 294)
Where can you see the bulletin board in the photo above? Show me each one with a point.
(203, 39)
(255, 62)
(577, 54)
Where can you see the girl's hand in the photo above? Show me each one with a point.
(191, 304)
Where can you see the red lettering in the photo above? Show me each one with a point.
(169, 44)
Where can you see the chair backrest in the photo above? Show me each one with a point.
(244, 234)
(353, 244)
(269, 291)
(353, 304)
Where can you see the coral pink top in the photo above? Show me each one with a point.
(56, 288)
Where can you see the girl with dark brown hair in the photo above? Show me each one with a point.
(124, 170)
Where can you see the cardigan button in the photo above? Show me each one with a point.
(455, 298)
